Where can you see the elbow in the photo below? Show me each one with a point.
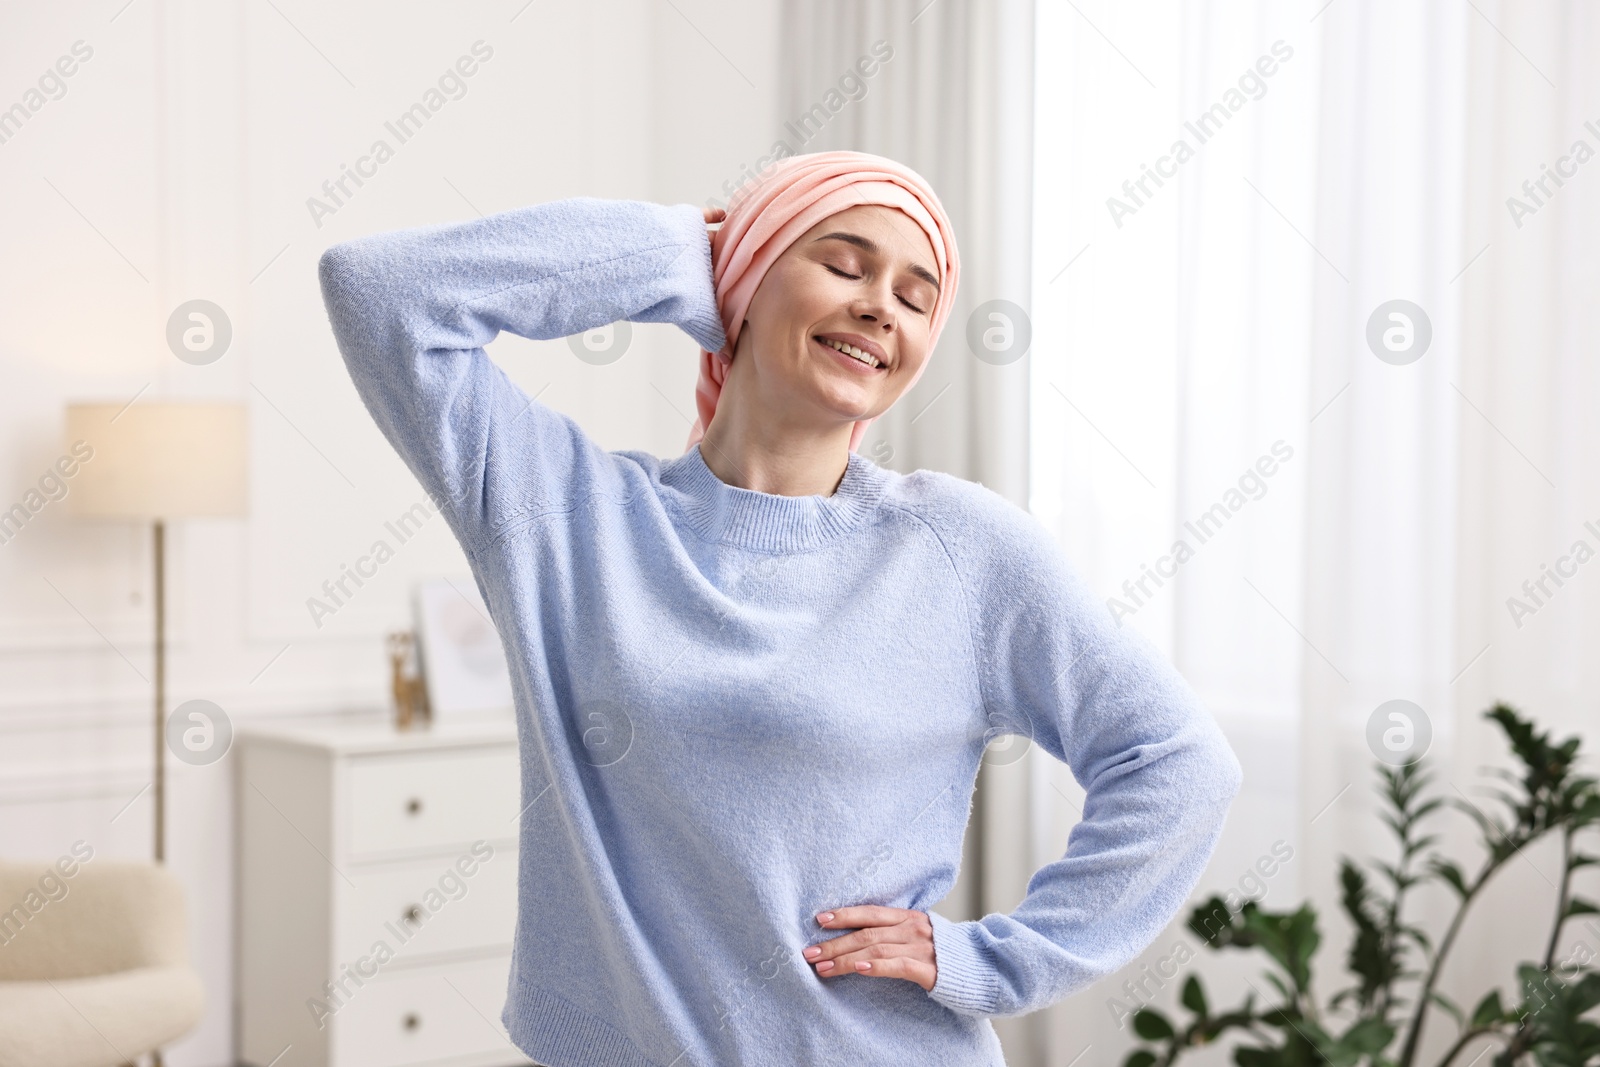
(1229, 773)
(339, 272)
(358, 308)
(358, 291)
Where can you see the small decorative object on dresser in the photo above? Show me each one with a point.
(409, 694)
(377, 892)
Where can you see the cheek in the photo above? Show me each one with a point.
(823, 297)
(917, 353)
(793, 302)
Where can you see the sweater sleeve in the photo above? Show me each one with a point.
(1159, 775)
(412, 309)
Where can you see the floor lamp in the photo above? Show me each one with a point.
(157, 463)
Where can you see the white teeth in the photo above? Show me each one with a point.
(852, 350)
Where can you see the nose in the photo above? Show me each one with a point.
(875, 311)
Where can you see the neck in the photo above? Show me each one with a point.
(772, 458)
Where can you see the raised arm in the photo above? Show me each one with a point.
(412, 309)
(1158, 772)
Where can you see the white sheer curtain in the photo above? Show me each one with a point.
(1529, 388)
(1185, 332)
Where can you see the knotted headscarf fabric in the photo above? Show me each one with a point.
(790, 197)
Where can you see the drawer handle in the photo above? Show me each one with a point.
(412, 1020)
(413, 915)
(414, 806)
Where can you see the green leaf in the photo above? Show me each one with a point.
(1450, 1006)
(1318, 1038)
(1425, 841)
(1286, 1018)
(1488, 1010)
(1373, 956)
(1585, 993)
(1278, 984)
(1242, 1019)
(1491, 830)
(1538, 988)
(1420, 936)
(1579, 906)
(1368, 1036)
(1389, 872)
(1427, 807)
(1290, 938)
(1510, 800)
(1142, 1058)
(1151, 1025)
(1450, 874)
(1587, 811)
(1194, 998)
(1559, 1037)
(1213, 924)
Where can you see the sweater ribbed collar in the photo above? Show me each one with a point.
(769, 521)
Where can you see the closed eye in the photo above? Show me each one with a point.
(853, 277)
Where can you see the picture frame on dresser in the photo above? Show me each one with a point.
(463, 662)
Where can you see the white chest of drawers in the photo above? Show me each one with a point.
(377, 894)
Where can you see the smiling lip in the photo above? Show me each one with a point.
(855, 364)
(860, 342)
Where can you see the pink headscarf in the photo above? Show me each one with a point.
(791, 196)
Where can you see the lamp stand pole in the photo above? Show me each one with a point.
(160, 541)
(161, 690)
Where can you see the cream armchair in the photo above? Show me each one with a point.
(99, 973)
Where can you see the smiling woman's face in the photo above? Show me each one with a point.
(865, 277)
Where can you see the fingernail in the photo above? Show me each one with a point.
(825, 966)
(813, 953)
(863, 966)
(825, 917)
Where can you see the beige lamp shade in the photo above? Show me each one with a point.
(157, 461)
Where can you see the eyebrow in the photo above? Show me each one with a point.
(871, 247)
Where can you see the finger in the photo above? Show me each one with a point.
(923, 974)
(835, 947)
(862, 915)
(888, 960)
(712, 214)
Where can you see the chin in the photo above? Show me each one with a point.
(845, 402)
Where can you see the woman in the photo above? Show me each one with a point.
(754, 682)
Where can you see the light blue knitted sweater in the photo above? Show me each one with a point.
(739, 709)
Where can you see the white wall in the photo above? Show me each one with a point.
(177, 165)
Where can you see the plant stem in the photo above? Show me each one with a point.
(1391, 933)
(1561, 898)
(1308, 1006)
(1462, 1042)
(1408, 1052)
(1523, 1038)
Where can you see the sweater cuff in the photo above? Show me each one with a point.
(703, 322)
(966, 982)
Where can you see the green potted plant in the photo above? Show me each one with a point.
(1379, 1019)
